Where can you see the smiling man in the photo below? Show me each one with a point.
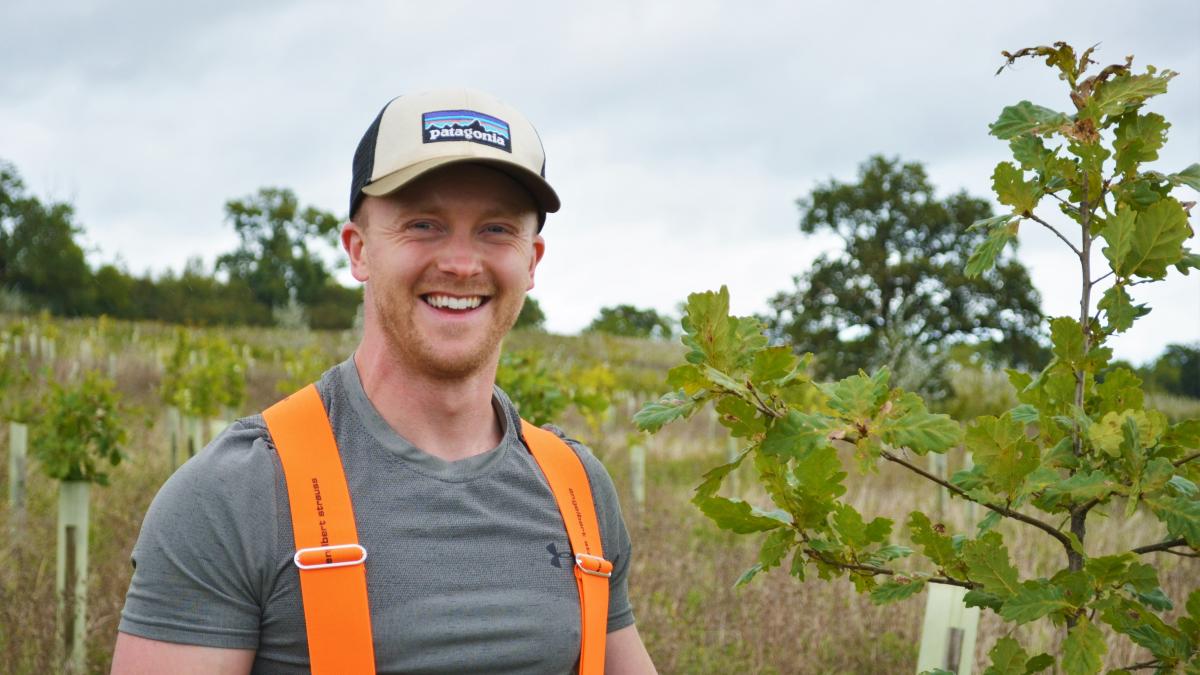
(436, 535)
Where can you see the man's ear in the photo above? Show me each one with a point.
(539, 249)
(354, 241)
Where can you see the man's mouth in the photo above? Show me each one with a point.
(454, 303)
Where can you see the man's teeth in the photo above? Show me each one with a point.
(448, 302)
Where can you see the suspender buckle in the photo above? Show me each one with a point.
(322, 557)
(593, 565)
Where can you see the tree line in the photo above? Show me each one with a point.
(897, 294)
(894, 294)
(274, 268)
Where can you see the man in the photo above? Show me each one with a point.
(466, 544)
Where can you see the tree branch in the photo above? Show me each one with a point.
(1145, 665)
(1187, 459)
(875, 570)
(1052, 229)
(1087, 506)
(1102, 277)
(761, 404)
(1079, 517)
(1160, 546)
(1002, 510)
(1065, 202)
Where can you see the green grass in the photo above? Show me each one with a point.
(681, 583)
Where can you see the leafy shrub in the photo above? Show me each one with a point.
(79, 430)
(1073, 446)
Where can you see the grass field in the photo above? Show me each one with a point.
(691, 618)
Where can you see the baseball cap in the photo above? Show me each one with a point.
(417, 133)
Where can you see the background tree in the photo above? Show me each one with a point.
(896, 294)
(276, 256)
(43, 267)
(334, 307)
(39, 256)
(114, 292)
(531, 315)
(1176, 371)
(630, 321)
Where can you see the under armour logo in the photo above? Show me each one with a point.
(557, 556)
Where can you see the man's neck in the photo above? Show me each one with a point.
(450, 420)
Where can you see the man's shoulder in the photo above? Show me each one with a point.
(585, 453)
(596, 471)
(241, 455)
(227, 492)
(247, 436)
(208, 549)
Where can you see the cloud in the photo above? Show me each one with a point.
(679, 133)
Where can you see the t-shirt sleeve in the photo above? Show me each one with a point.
(203, 560)
(613, 535)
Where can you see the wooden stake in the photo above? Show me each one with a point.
(71, 577)
(195, 436)
(948, 633)
(215, 427)
(173, 424)
(731, 453)
(968, 463)
(937, 466)
(637, 474)
(18, 443)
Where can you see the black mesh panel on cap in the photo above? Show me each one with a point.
(364, 162)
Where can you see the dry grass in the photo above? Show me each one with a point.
(691, 618)
(694, 621)
(1176, 408)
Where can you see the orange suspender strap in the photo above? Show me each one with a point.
(333, 580)
(569, 483)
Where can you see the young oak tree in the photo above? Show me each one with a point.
(1074, 449)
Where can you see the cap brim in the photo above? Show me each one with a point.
(542, 193)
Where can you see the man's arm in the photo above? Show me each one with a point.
(135, 655)
(206, 550)
(624, 653)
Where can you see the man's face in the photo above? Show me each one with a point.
(447, 261)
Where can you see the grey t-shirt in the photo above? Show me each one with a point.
(468, 569)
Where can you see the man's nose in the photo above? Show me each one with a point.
(460, 258)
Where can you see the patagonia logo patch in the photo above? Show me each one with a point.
(465, 125)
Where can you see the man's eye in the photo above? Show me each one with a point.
(498, 229)
(421, 225)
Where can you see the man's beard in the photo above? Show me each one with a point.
(415, 350)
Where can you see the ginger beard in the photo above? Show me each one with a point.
(451, 354)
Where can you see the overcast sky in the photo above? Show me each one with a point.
(678, 134)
